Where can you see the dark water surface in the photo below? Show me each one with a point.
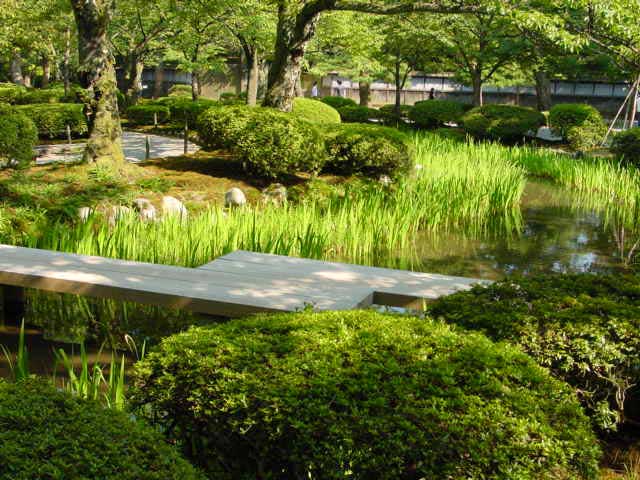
(558, 234)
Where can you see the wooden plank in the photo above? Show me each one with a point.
(61, 275)
(380, 280)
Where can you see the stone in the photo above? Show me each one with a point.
(146, 210)
(171, 206)
(84, 213)
(117, 213)
(234, 198)
(275, 194)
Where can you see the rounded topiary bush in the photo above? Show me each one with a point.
(626, 146)
(358, 114)
(52, 119)
(274, 143)
(388, 116)
(315, 111)
(219, 127)
(338, 102)
(580, 124)
(18, 136)
(362, 395)
(435, 113)
(185, 110)
(367, 150)
(584, 328)
(46, 433)
(147, 113)
(181, 90)
(507, 123)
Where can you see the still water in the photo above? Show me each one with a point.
(558, 234)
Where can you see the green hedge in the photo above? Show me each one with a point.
(268, 142)
(338, 102)
(46, 433)
(228, 98)
(10, 93)
(146, 113)
(387, 114)
(626, 146)
(584, 328)
(18, 137)
(42, 95)
(505, 123)
(361, 395)
(52, 119)
(315, 111)
(358, 114)
(435, 113)
(367, 150)
(184, 109)
(580, 124)
(181, 90)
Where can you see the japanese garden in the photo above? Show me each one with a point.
(319, 239)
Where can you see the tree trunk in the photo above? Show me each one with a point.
(158, 81)
(16, 69)
(398, 80)
(254, 76)
(98, 76)
(66, 62)
(365, 93)
(46, 71)
(133, 89)
(292, 37)
(543, 90)
(195, 86)
(476, 80)
(239, 75)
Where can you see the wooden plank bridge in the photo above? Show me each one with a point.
(233, 285)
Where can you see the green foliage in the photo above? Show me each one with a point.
(146, 113)
(367, 150)
(10, 92)
(338, 102)
(626, 146)
(185, 110)
(584, 328)
(52, 119)
(505, 123)
(435, 113)
(315, 111)
(18, 136)
(387, 114)
(361, 395)
(275, 143)
(181, 90)
(228, 98)
(46, 433)
(580, 124)
(219, 127)
(38, 95)
(358, 114)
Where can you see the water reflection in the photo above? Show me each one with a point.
(561, 233)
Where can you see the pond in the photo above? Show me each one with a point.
(558, 234)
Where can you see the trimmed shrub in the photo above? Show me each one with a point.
(18, 136)
(505, 123)
(52, 118)
(228, 98)
(185, 109)
(580, 124)
(219, 127)
(626, 146)
(435, 113)
(41, 95)
(584, 328)
(367, 150)
(181, 90)
(275, 143)
(144, 114)
(315, 111)
(338, 102)
(46, 433)
(358, 114)
(10, 93)
(361, 395)
(387, 114)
